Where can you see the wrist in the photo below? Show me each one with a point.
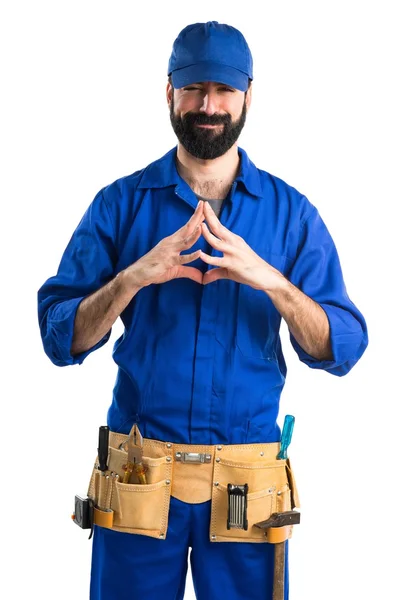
(277, 284)
(129, 280)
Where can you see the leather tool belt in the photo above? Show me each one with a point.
(193, 474)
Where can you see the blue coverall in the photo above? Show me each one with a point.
(196, 364)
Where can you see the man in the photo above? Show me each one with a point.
(201, 254)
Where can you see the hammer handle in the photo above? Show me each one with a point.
(279, 570)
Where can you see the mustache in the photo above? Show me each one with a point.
(202, 119)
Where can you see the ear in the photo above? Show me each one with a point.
(248, 98)
(169, 93)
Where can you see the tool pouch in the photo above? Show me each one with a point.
(271, 488)
(132, 507)
(143, 508)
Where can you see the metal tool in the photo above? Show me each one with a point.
(237, 505)
(134, 447)
(103, 449)
(274, 523)
(193, 457)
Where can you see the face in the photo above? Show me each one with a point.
(207, 117)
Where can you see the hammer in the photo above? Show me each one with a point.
(278, 530)
(278, 525)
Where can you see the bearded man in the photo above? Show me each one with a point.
(201, 254)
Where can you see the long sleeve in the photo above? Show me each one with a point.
(87, 264)
(317, 272)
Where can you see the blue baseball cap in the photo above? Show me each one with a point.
(211, 52)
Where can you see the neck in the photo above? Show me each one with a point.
(209, 178)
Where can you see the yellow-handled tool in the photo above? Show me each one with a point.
(134, 447)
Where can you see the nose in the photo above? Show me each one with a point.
(209, 106)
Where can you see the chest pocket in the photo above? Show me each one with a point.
(258, 319)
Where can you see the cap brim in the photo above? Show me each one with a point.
(210, 72)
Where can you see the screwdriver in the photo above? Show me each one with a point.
(286, 436)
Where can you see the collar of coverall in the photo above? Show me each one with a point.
(163, 173)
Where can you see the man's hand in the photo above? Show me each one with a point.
(239, 263)
(164, 262)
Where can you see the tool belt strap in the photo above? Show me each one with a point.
(192, 464)
(104, 518)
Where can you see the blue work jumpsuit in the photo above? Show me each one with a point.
(196, 364)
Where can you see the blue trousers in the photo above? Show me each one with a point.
(128, 566)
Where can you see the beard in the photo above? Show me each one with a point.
(206, 143)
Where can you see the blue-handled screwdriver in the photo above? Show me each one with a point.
(286, 436)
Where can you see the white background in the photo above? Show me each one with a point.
(83, 95)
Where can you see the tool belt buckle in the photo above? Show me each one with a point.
(193, 457)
